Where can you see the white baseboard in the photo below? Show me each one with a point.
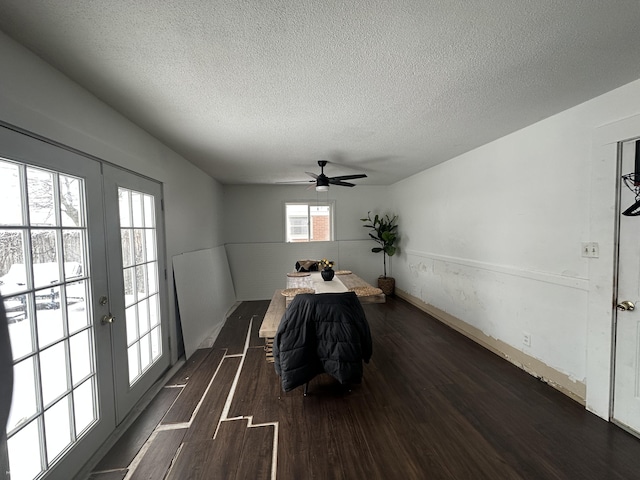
(574, 389)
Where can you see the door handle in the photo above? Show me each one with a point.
(626, 306)
(108, 319)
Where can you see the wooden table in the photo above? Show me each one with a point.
(279, 304)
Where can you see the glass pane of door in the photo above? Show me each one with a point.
(140, 271)
(61, 406)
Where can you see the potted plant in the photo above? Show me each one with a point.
(384, 232)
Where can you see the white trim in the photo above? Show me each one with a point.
(553, 278)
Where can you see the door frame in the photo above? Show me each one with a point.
(603, 216)
(616, 275)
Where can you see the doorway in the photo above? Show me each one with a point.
(82, 280)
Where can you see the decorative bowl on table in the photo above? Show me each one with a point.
(327, 274)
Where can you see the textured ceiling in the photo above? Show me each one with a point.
(258, 91)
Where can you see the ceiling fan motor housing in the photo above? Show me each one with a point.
(322, 180)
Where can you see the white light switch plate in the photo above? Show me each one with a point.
(590, 249)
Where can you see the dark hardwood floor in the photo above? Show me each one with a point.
(432, 405)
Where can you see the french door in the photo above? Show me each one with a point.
(133, 209)
(82, 281)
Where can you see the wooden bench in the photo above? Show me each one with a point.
(279, 304)
(271, 322)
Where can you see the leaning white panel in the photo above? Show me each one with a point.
(205, 294)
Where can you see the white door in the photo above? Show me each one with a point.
(52, 265)
(626, 401)
(61, 280)
(137, 276)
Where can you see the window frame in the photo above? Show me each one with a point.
(288, 238)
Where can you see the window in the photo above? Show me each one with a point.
(307, 222)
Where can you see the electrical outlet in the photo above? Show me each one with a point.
(590, 249)
(526, 339)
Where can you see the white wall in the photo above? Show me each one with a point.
(255, 236)
(38, 98)
(493, 238)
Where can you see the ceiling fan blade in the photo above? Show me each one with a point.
(290, 182)
(333, 181)
(350, 177)
(312, 175)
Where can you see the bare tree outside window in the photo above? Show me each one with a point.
(40, 186)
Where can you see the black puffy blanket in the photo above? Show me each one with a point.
(322, 333)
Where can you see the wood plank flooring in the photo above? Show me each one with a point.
(432, 405)
(123, 452)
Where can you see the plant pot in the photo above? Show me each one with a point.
(327, 274)
(387, 285)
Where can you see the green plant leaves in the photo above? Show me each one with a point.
(387, 236)
(384, 233)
